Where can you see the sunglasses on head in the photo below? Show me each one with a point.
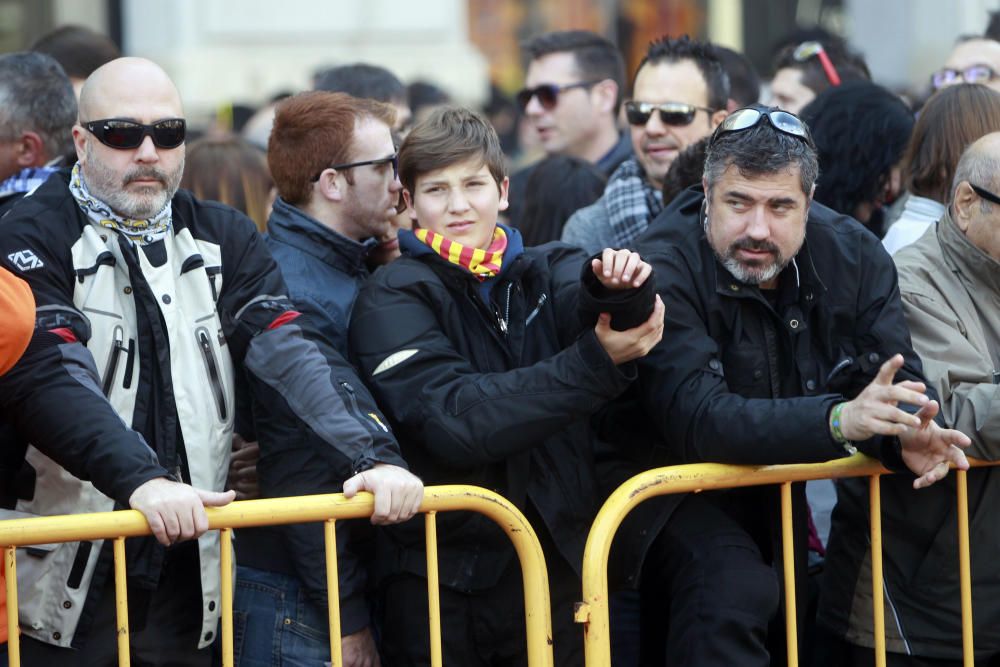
(547, 94)
(744, 119)
(124, 134)
(971, 74)
(671, 113)
(392, 159)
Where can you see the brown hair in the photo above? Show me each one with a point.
(230, 170)
(450, 135)
(952, 118)
(311, 131)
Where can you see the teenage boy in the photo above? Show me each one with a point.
(503, 359)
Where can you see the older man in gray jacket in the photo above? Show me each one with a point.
(949, 281)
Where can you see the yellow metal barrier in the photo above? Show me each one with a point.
(302, 509)
(593, 611)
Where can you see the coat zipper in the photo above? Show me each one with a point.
(205, 343)
(117, 346)
(355, 410)
(538, 308)
(502, 321)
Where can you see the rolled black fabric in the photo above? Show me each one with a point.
(628, 307)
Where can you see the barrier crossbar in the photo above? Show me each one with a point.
(329, 509)
(593, 611)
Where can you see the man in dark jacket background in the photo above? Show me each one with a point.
(783, 336)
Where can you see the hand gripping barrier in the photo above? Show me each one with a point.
(593, 611)
(325, 508)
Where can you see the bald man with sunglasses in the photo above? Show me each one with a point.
(680, 93)
(150, 305)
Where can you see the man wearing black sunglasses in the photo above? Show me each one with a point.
(679, 96)
(157, 303)
(572, 92)
(784, 342)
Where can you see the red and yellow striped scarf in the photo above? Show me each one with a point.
(481, 263)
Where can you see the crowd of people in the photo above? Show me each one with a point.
(361, 294)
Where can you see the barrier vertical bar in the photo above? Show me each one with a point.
(965, 566)
(878, 599)
(788, 554)
(226, 559)
(13, 631)
(333, 591)
(121, 602)
(433, 588)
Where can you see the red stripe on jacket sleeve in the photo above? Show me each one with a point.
(66, 334)
(283, 319)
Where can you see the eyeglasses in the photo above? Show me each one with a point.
(971, 74)
(985, 194)
(671, 113)
(807, 50)
(392, 159)
(548, 93)
(744, 119)
(125, 134)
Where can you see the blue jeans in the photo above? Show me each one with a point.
(275, 623)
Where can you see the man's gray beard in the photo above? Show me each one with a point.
(106, 186)
(756, 275)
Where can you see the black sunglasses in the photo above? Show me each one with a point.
(671, 113)
(744, 119)
(392, 159)
(985, 194)
(971, 74)
(123, 134)
(548, 94)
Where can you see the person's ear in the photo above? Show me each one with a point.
(961, 204)
(718, 117)
(408, 198)
(504, 192)
(329, 185)
(80, 138)
(30, 150)
(605, 94)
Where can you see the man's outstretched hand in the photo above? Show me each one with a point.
(398, 492)
(928, 449)
(176, 511)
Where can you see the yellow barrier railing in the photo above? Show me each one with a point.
(326, 508)
(593, 611)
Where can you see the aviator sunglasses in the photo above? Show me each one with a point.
(744, 119)
(548, 94)
(123, 134)
(671, 113)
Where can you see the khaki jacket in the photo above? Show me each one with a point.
(951, 298)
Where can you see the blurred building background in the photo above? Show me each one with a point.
(222, 52)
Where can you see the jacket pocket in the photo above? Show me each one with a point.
(212, 370)
(117, 347)
(370, 420)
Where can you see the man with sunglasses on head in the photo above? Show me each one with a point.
(154, 302)
(973, 60)
(785, 343)
(679, 96)
(571, 96)
(803, 71)
(333, 161)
